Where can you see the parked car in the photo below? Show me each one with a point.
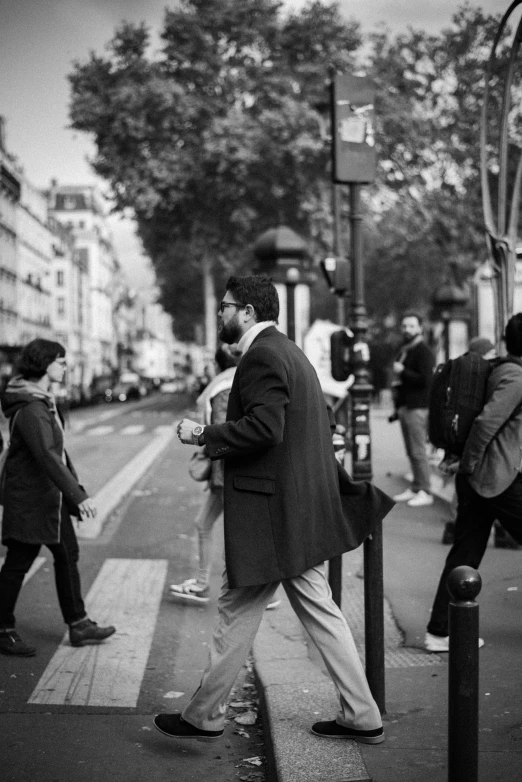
(169, 386)
(129, 387)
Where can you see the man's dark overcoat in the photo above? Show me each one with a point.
(284, 512)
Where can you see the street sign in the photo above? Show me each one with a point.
(353, 129)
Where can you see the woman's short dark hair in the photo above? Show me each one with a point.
(36, 357)
(513, 335)
(260, 292)
(225, 359)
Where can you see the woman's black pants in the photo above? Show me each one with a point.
(20, 557)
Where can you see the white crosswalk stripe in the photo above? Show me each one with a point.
(37, 564)
(126, 593)
(133, 429)
(99, 431)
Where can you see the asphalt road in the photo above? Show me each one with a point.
(77, 715)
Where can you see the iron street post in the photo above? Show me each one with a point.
(354, 161)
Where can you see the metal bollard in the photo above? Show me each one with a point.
(464, 584)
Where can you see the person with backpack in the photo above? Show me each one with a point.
(40, 493)
(489, 477)
(483, 347)
(413, 370)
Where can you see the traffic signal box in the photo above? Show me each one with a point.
(337, 274)
(340, 354)
(353, 129)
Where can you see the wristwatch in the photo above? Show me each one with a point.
(196, 433)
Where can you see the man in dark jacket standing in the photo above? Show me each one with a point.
(283, 517)
(489, 478)
(413, 372)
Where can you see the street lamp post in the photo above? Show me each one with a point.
(502, 232)
(354, 161)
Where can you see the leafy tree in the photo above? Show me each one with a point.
(221, 135)
(218, 137)
(426, 205)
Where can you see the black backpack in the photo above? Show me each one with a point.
(457, 396)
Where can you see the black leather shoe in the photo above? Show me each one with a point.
(88, 632)
(174, 725)
(332, 730)
(11, 643)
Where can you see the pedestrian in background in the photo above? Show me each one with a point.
(40, 492)
(212, 407)
(482, 346)
(413, 370)
(284, 516)
(489, 478)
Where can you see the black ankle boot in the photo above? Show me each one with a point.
(11, 643)
(86, 631)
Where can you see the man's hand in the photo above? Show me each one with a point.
(398, 367)
(184, 430)
(449, 466)
(87, 509)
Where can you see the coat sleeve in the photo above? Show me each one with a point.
(500, 406)
(37, 432)
(262, 383)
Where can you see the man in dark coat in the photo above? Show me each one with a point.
(284, 516)
(413, 372)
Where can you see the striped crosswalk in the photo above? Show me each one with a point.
(127, 431)
(126, 593)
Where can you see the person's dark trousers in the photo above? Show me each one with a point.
(475, 517)
(20, 557)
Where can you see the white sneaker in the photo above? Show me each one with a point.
(438, 643)
(405, 496)
(190, 591)
(420, 499)
(272, 604)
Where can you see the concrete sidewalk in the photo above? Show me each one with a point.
(296, 690)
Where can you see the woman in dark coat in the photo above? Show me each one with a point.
(40, 492)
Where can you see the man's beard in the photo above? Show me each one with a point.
(407, 338)
(230, 332)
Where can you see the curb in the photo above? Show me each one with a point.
(293, 694)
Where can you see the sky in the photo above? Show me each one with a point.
(39, 39)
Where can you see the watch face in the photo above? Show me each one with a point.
(197, 430)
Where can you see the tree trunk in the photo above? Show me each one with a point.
(209, 297)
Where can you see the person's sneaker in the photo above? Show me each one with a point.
(190, 592)
(421, 499)
(273, 604)
(332, 730)
(11, 643)
(176, 727)
(440, 643)
(409, 494)
(87, 632)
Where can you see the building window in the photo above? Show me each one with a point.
(60, 302)
(59, 279)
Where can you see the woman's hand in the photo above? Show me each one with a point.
(87, 509)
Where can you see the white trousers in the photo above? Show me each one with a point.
(240, 614)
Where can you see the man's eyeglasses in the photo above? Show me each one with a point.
(224, 304)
